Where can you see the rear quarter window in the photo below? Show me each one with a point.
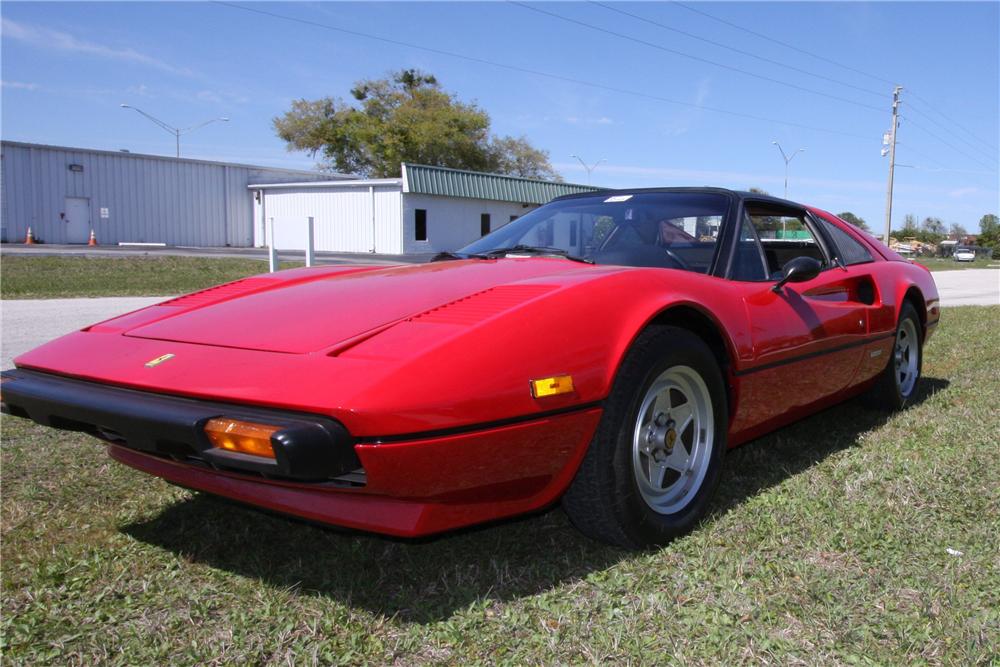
(851, 250)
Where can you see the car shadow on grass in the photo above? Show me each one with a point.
(428, 580)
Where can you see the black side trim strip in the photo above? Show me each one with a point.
(811, 355)
(471, 428)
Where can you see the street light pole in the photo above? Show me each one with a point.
(589, 169)
(176, 131)
(787, 159)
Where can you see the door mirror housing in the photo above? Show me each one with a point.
(798, 270)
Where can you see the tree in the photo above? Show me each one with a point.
(932, 225)
(406, 117)
(989, 224)
(854, 220)
(910, 228)
(515, 156)
(957, 231)
(931, 230)
(758, 191)
(989, 233)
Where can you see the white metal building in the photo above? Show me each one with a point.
(62, 193)
(428, 209)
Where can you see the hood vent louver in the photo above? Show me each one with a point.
(221, 292)
(482, 305)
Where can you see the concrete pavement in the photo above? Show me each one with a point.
(969, 287)
(27, 323)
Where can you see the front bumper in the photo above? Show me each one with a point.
(307, 447)
(421, 485)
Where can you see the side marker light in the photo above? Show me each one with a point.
(552, 386)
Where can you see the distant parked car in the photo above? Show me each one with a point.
(965, 255)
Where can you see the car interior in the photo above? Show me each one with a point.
(770, 237)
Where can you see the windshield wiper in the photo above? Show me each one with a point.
(532, 250)
(447, 255)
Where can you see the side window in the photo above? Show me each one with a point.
(783, 237)
(851, 250)
(748, 264)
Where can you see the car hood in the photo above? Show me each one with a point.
(312, 314)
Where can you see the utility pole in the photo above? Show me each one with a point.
(892, 162)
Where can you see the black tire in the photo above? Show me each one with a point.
(887, 393)
(604, 500)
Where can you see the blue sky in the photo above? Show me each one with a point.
(66, 68)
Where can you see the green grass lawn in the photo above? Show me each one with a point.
(827, 545)
(949, 264)
(25, 277)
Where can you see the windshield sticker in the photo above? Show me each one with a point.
(617, 198)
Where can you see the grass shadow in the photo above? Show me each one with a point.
(428, 580)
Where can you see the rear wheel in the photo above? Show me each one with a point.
(655, 459)
(898, 383)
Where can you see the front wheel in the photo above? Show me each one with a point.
(657, 453)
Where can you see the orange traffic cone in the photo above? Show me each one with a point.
(29, 238)
(93, 237)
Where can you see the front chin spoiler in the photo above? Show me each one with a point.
(307, 447)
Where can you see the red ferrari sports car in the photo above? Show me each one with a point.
(604, 349)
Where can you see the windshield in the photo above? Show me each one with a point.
(676, 230)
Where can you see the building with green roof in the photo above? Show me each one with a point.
(426, 210)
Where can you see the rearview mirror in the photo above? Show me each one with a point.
(798, 270)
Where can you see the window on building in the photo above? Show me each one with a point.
(484, 224)
(513, 218)
(420, 224)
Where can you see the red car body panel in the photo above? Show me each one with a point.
(428, 368)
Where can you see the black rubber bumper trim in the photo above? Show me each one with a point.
(307, 447)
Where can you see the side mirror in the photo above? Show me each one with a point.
(798, 270)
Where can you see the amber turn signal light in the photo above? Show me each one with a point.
(553, 386)
(233, 435)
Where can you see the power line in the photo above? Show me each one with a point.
(736, 50)
(948, 143)
(935, 165)
(947, 128)
(785, 44)
(835, 63)
(534, 72)
(659, 47)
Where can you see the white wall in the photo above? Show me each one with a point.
(343, 218)
(452, 222)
